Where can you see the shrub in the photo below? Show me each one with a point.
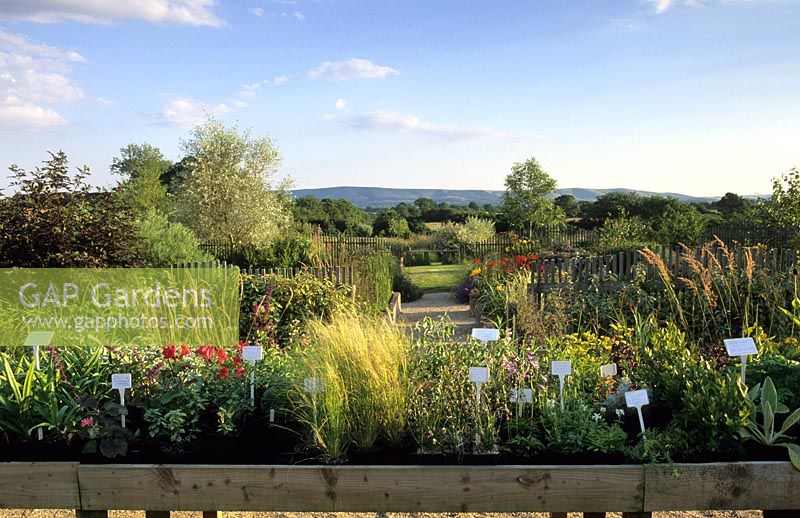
(275, 310)
(167, 244)
(374, 278)
(54, 221)
(402, 283)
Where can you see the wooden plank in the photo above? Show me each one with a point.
(39, 485)
(729, 486)
(363, 488)
(91, 514)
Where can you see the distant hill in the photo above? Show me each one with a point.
(388, 197)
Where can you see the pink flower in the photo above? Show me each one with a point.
(87, 422)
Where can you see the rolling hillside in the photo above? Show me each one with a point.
(388, 197)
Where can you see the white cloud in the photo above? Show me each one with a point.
(280, 80)
(408, 123)
(257, 11)
(33, 76)
(663, 6)
(352, 68)
(181, 12)
(341, 104)
(104, 102)
(186, 112)
(16, 114)
(329, 117)
(300, 16)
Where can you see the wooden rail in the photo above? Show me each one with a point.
(635, 490)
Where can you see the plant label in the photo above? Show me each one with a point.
(740, 346)
(609, 370)
(120, 381)
(312, 385)
(522, 395)
(479, 374)
(485, 334)
(561, 368)
(252, 353)
(39, 338)
(636, 398)
(271, 415)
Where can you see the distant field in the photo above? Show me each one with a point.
(437, 277)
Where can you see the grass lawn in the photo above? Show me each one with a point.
(438, 277)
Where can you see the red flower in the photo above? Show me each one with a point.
(533, 256)
(241, 345)
(221, 355)
(237, 360)
(223, 373)
(477, 260)
(185, 350)
(169, 352)
(239, 371)
(490, 264)
(206, 351)
(541, 267)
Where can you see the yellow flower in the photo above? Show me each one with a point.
(476, 271)
(499, 288)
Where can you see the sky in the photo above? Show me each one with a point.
(699, 97)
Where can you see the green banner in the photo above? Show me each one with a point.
(120, 306)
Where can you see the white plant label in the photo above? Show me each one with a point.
(39, 338)
(120, 381)
(637, 399)
(522, 395)
(608, 370)
(271, 415)
(561, 368)
(741, 347)
(485, 334)
(312, 385)
(478, 374)
(252, 353)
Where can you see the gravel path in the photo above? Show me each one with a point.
(435, 305)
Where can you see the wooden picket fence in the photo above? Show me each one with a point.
(339, 275)
(612, 271)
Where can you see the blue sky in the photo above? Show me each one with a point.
(692, 96)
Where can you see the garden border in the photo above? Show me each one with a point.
(517, 488)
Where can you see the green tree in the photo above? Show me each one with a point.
(525, 201)
(783, 209)
(390, 224)
(568, 204)
(229, 194)
(141, 167)
(732, 204)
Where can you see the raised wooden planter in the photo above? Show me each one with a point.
(627, 488)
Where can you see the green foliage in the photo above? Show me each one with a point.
(763, 400)
(285, 252)
(390, 224)
(403, 284)
(141, 167)
(276, 310)
(568, 204)
(54, 221)
(783, 209)
(361, 390)
(228, 194)
(332, 216)
(166, 244)
(623, 233)
(525, 201)
(658, 446)
(374, 277)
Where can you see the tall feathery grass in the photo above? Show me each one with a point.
(713, 293)
(361, 365)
